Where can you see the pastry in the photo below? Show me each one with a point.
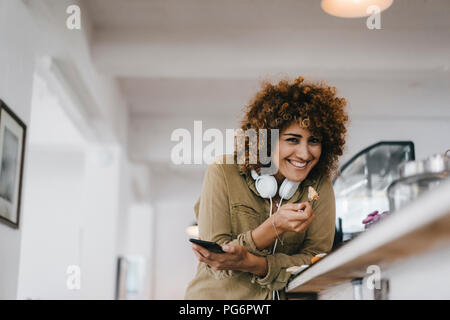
(312, 194)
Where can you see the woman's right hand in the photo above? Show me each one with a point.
(295, 217)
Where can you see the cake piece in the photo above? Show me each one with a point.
(312, 194)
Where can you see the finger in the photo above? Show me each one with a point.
(292, 206)
(303, 215)
(204, 252)
(198, 255)
(298, 215)
(229, 249)
(203, 259)
(305, 206)
(195, 250)
(307, 222)
(310, 219)
(309, 212)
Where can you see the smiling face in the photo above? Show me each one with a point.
(297, 152)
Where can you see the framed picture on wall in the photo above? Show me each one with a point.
(12, 149)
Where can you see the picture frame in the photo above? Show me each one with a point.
(12, 154)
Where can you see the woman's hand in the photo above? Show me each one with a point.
(234, 258)
(295, 217)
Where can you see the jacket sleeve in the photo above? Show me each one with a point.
(318, 239)
(214, 217)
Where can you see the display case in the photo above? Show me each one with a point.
(361, 184)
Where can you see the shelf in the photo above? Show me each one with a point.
(422, 225)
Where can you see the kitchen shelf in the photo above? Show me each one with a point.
(423, 225)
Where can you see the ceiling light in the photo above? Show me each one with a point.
(353, 8)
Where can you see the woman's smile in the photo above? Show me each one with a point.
(298, 165)
(296, 170)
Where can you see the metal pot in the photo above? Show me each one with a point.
(416, 178)
(438, 163)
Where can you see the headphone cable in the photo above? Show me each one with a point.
(276, 241)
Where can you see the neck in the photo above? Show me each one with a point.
(279, 177)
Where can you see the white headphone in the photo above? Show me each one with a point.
(267, 186)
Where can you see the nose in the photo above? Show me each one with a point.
(302, 151)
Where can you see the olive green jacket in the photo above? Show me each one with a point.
(228, 210)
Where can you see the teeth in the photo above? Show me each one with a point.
(298, 164)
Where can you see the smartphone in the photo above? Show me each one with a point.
(210, 246)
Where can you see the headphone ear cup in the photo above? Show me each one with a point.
(288, 188)
(266, 186)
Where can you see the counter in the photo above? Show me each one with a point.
(415, 238)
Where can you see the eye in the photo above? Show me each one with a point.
(294, 140)
(314, 140)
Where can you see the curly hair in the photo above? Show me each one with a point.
(312, 105)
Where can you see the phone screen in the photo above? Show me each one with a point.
(210, 246)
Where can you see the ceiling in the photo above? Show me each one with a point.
(202, 97)
(235, 39)
(156, 48)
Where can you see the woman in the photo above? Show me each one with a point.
(312, 124)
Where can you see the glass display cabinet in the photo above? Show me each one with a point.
(361, 184)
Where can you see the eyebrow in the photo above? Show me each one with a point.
(293, 134)
(298, 135)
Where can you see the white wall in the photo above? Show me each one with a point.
(173, 198)
(174, 260)
(429, 135)
(53, 232)
(18, 35)
(141, 232)
(102, 202)
(397, 105)
(71, 220)
(30, 30)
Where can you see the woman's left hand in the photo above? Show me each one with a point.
(234, 258)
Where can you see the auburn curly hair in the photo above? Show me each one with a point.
(312, 105)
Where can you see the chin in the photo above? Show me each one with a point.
(297, 177)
